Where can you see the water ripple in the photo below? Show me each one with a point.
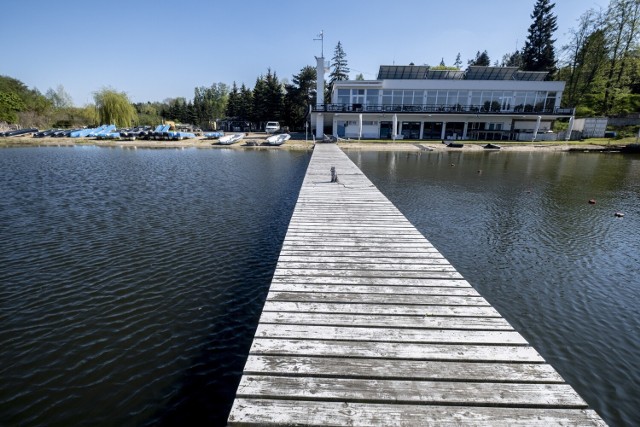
(564, 272)
(132, 280)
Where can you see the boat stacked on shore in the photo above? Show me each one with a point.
(231, 139)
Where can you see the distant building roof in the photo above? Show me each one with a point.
(474, 72)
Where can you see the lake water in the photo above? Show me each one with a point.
(564, 272)
(131, 281)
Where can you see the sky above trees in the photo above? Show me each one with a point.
(173, 48)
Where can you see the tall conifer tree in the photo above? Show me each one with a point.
(538, 53)
(339, 70)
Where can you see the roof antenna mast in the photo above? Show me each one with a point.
(321, 35)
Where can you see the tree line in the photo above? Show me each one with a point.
(600, 64)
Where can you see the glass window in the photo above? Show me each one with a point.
(372, 96)
(463, 97)
(387, 97)
(432, 97)
(343, 96)
(397, 97)
(475, 98)
(418, 97)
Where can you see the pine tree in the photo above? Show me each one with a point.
(481, 59)
(538, 53)
(299, 96)
(513, 59)
(458, 62)
(340, 70)
(232, 103)
(245, 108)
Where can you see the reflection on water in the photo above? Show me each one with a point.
(519, 227)
(131, 282)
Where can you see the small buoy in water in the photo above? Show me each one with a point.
(619, 214)
(452, 165)
(592, 201)
(479, 171)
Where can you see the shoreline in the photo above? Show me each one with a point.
(298, 144)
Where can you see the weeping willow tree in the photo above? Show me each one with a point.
(114, 108)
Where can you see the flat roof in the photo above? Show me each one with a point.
(474, 72)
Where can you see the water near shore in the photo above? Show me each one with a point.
(131, 281)
(564, 272)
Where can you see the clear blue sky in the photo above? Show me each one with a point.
(154, 50)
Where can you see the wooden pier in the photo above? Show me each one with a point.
(366, 323)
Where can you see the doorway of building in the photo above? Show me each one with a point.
(386, 129)
(454, 130)
(411, 130)
(432, 130)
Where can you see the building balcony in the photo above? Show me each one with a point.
(443, 109)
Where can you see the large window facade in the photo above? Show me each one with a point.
(449, 99)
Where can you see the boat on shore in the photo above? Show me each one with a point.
(454, 145)
(213, 135)
(278, 139)
(491, 146)
(231, 139)
(19, 132)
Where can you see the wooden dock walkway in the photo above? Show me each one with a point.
(366, 323)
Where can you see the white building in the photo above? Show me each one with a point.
(416, 102)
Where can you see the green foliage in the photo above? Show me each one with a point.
(16, 97)
(444, 67)
(10, 105)
(339, 67)
(513, 59)
(59, 98)
(233, 102)
(268, 98)
(149, 113)
(114, 108)
(481, 59)
(299, 96)
(538, 53)
(458, 62)
(209, 104)
(603, 69)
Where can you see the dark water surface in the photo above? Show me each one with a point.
(564, 272)
(131, 282)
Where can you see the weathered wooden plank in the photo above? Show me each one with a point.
(390, 350)
(387, 335)
(388, 253)
(253, 412)
(371, 281)
(367, 289)
(377, 298)
(366, 259)
(324, 245)
(439, 273)
(368, 267)
(385, 309)
(386, 321)
(402, 391)
(391, 227)
(346, 367)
